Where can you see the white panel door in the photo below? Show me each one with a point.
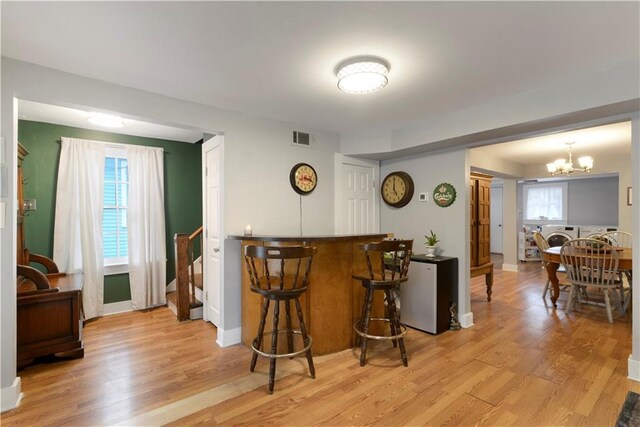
(496, 220)
(358, 198)
(212, 230)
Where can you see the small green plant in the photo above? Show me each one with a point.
(431, 239)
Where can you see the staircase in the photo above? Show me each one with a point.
(186, 300)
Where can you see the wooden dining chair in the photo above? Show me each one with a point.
(618, 239)
(542, 245)
(621, 239)
(591, 263)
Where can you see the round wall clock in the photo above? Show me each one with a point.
(397, 189)
(444, 195)
(303, 178)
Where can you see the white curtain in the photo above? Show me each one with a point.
(77, 245)
(147, 249)
(544, 203)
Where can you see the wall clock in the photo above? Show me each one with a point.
(303, 178)
(397, 189)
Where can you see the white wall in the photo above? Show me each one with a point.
(535, 108)
(417, 218)
(620, 164)
(509, 225)
(492, 164)
(258, 158)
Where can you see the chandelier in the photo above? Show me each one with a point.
(562, 166)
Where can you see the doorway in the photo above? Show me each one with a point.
(496, 220)
(356, 197)
(212, 228)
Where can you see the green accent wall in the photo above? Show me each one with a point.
(182, 189)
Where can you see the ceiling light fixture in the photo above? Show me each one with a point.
(562, 166)
(106, 120)
(362, 74)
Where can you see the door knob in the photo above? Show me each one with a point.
(216, 250)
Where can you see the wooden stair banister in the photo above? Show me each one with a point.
(185, 272)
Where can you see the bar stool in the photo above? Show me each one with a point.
(279, 283)
(391, 272)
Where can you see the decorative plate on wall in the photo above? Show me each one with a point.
(444, 195)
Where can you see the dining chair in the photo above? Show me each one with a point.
(542, 245)
(618, 239)
(621, 239)
(591, 263)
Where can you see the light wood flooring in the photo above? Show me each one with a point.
(523, 363)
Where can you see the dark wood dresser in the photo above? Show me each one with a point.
(48, 320)
(48, 304)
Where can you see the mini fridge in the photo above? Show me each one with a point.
(426, 296)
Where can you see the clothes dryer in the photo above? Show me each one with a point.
(595, 230)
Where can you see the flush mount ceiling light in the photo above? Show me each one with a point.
(106, 120)
(562, 166)
(362, 74)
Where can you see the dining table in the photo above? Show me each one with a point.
(552, 257)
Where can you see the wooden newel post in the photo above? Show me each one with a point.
(182, 276)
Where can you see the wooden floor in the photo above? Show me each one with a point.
(523, 363)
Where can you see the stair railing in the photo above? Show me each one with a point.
(185, 272)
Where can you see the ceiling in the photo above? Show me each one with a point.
(276, 59)
(601, 141)
(35, 111)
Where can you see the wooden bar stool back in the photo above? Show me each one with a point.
(387, 265)
(281, 274)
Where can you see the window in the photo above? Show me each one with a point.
(114, 213)
(545, 203)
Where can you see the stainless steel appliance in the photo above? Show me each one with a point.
(427, 295)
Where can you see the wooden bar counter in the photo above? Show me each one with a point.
(333, 301)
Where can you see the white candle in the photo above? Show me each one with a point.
(247, 230)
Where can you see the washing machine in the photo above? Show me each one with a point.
(570, 230)
(594, 230)
(557, 235)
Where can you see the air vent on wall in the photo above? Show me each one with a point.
(301, 138)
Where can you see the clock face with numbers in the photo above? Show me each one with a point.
(303, 178)
(397, 189)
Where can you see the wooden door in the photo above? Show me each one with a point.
(496, 220)
(484, 221)
(474, 220)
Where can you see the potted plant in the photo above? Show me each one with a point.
(430, 243)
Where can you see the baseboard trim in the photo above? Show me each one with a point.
(117, 307)
(229, 337)
(466, 320)
(11, 396)
(171, 287)
(510, 267)
(633, 368)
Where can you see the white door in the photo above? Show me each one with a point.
(496, 220)
(358, 197)
(212, 225)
